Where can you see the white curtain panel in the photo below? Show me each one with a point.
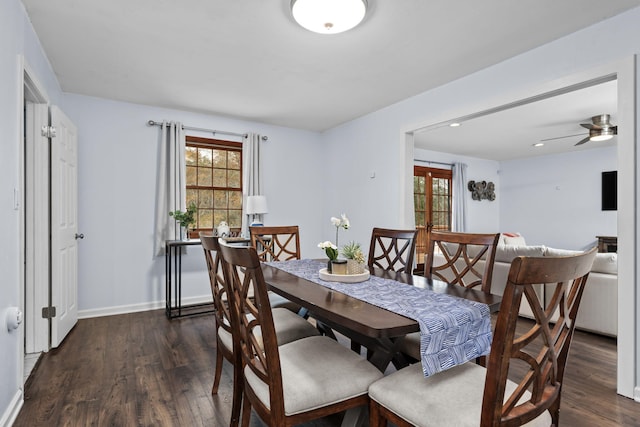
(251, 174)
(171, 193)
(459, 208)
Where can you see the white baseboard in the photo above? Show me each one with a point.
(636, 394)
(11, 413)
(134, 308)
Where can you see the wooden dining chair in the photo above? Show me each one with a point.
(276, 243)
(289, 326)
(462, 254)
(392, 249)
(523, 381)
(296, 382)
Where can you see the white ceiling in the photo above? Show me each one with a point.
(510, 134)
(250, 60)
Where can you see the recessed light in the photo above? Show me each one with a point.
(454, 125)
(538, 144)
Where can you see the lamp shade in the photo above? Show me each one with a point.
(257, 205)
(328, 16)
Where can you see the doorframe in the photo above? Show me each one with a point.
(34, 246)
(625, 72)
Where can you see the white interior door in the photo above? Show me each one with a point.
(64, 226)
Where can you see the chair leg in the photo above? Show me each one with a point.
(238, 392)
(218, 372)
(375, 417)
(246, 412)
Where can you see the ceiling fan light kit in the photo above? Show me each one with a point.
(328, 16)
(600, 129)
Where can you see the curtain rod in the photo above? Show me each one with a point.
(432, 162)
(213, 131)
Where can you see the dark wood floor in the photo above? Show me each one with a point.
(142, 369)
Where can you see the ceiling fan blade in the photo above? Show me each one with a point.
(561, 137)
(582, 141)
(589, 126)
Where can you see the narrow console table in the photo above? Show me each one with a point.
(173, 281)
(173, 278)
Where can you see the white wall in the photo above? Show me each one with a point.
(116, 197)
(18, 43)
(556, 200)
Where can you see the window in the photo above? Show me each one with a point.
(214, 181)
(432, 204)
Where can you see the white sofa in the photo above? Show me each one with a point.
(599, 307)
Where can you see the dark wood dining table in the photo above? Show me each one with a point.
(374, 327)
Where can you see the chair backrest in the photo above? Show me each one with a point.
(392, 249)
(535, 360)
(255, 330)
(462, 252)
(276, 243)
(219, 288)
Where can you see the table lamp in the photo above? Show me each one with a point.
(256, 206)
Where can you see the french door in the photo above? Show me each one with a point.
(432, 204)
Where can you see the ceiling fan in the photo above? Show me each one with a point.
(600, 129)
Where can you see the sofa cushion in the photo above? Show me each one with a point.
(512, 239)
(507, 253)
(605, 263)
(553, 252)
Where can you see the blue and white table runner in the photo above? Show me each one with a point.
(452, 330)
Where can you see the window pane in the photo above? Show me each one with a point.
(219, 158)
(235, 218)
(234, 179)
(204, 177)
(220, 215)
(220, 199)
(234, 158)
(205, 198)
(191, 154)
(219, 177)
(192, 197)
(235, 200)
(418, 184)
(191, 175)
(204, 157)
(205, 218)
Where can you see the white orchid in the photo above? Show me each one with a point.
(330, 249)
(338, 223)
(345, 222)
(327, 244)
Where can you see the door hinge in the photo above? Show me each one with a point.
(48, 312)
(48, 131)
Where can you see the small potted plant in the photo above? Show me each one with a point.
(185, 219)
(355, 258)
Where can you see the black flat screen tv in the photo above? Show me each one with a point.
(610, 191)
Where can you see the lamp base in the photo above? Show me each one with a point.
(256, 224)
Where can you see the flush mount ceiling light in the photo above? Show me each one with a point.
(328, 16)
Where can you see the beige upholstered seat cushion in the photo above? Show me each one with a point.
(449, 398)
(278, 301)
(317, 371)
(289, 327)
(410, 345)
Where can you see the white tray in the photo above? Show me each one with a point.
(344, 278)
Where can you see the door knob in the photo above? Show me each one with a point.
(79, 236)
